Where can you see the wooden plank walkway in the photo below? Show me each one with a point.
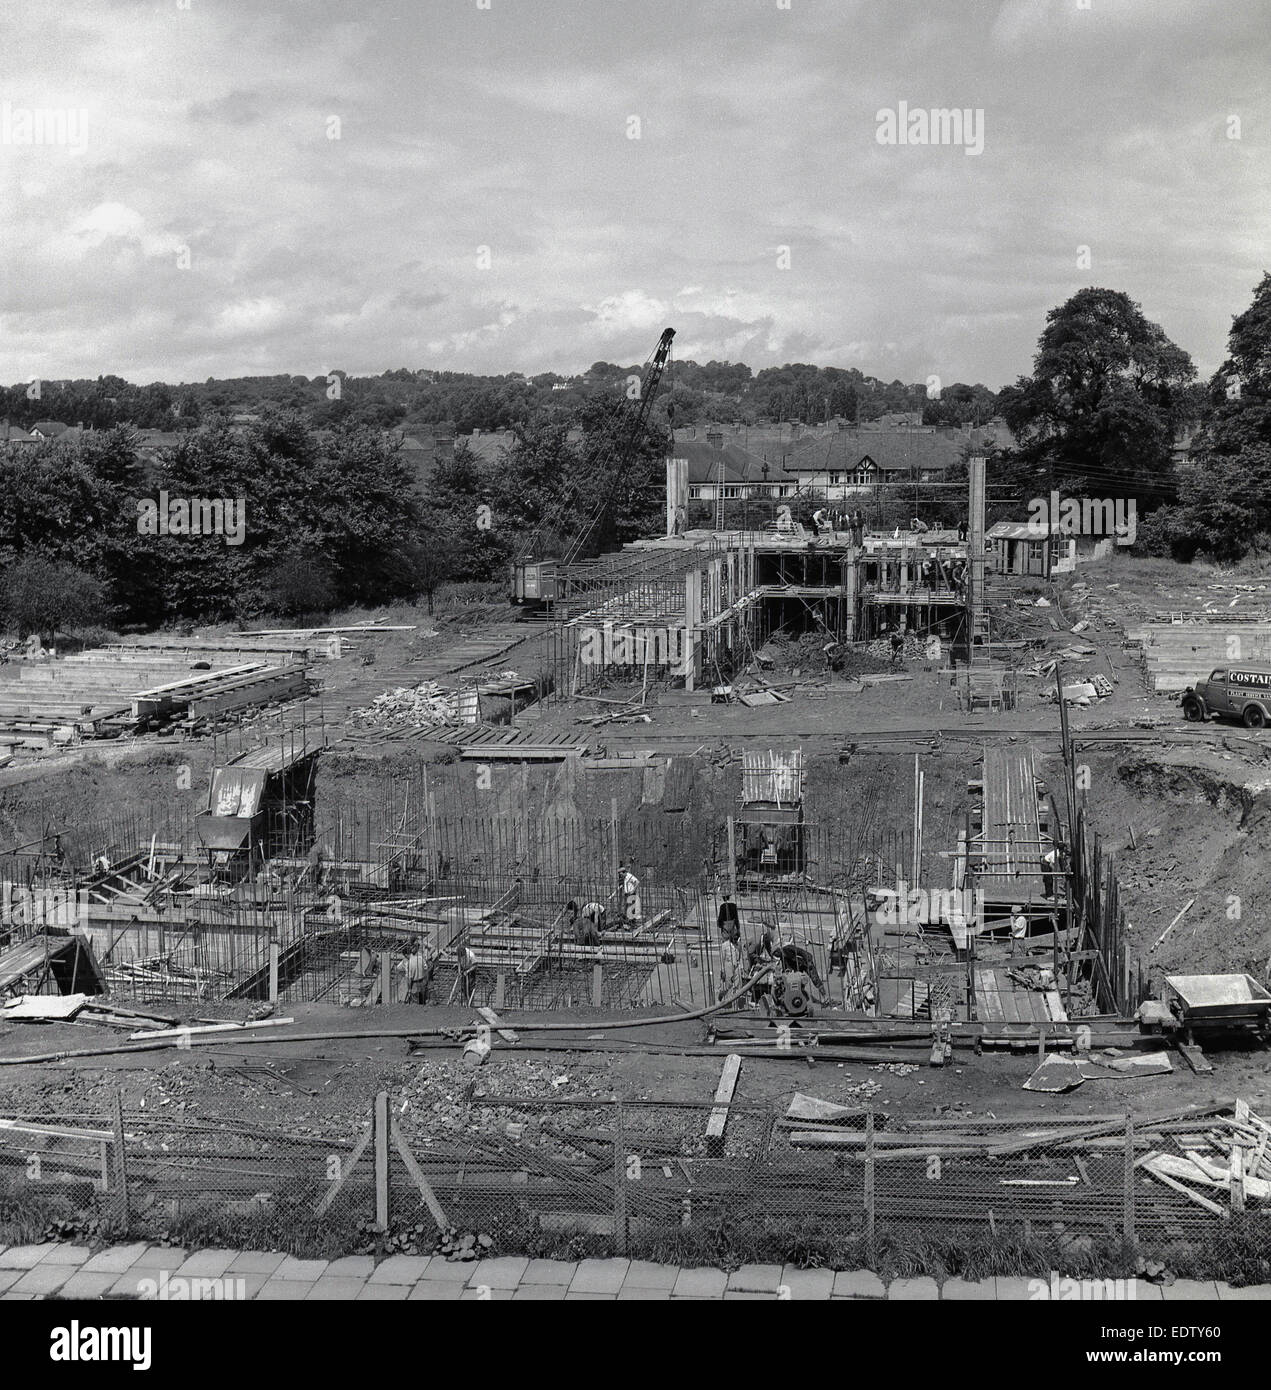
(999, 999)
(1010, 837)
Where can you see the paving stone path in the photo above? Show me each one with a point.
(59, 1270)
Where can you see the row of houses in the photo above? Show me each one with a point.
(838, 460)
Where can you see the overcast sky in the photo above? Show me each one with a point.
(1105, 125)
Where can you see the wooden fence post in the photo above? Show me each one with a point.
(120, 1164)
(381, 1127)
(619, 1181)
(386, 977)
(869, 1185)
(1129, 1178)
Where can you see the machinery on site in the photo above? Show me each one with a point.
(1231, 692)
(1197, 1006)
(785, 979)
(539, 582)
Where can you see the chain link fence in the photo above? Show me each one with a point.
(793, 1182)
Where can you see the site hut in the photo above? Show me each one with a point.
(1021, 550)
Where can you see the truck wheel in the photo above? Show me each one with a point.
(1192, 709)
(1255, 718)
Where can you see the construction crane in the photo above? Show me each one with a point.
(537, 582)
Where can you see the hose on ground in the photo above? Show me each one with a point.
(189, 1040)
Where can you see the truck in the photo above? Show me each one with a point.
(1231, 692)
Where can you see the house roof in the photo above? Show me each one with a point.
(15, 434)
(49, 427)
(1018, 531)
(159, 439)
(892, 451)
(740, 465)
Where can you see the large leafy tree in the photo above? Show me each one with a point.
(1107, 395)
(43, 595)
(1224, 492)
(464, 508)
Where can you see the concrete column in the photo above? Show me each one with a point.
(977, 621)
(676, 490)
(849, 595)
(692, 628)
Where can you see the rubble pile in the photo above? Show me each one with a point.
(914, 648)
(409, 707)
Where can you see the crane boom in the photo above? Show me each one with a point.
(538, 581)
(629, 427)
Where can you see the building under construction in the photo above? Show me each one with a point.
(697, 606)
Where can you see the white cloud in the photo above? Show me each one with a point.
(462, 128)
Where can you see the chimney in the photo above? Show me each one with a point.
(715, 437)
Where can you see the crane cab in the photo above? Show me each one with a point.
(535, 583)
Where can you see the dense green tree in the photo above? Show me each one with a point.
(1107, 395)
(45, 596)
(1224, 492)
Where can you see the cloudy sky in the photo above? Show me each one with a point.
(485, 207)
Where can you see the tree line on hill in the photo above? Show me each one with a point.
(426, 400)
(336, 516)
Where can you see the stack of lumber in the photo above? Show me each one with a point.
(103, 693)
(1231, 1156)
(1176, 655)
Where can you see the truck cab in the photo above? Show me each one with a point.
(1231, 692)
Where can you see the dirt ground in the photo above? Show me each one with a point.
(327, 1087)
(1183, 809)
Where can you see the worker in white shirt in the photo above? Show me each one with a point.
(1019, 923)
(629, 892)
(1050, 869)
(587, 924)
(729, 965)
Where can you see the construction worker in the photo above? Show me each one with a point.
(730, 977)
(1050, 869)
(418, 970)
(897, 647)
(963, 528)
(585, 924)
(759, 954)
(629, 893)
(467, 973)
(726, 919)
(1019, 923)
